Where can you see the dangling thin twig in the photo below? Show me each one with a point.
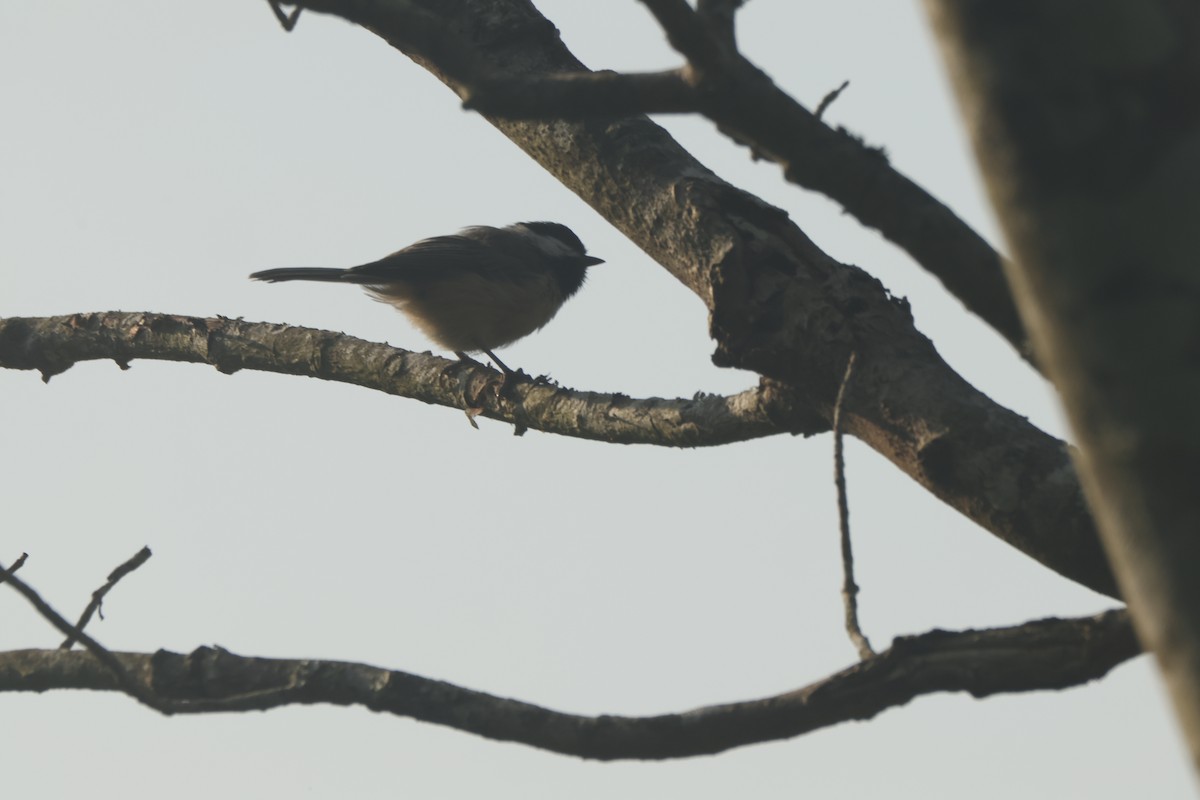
(849, 587)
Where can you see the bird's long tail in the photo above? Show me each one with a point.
(331, 274)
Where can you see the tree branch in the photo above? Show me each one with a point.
(849, 588)
(719, 15)
(1047, 654)
(94, 606)
(778, 305)
(580, 95)
(747, 106)
(133, 681)
(53, 344)
(16, 565)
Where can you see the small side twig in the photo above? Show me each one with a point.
(828, 99)
(141, 557)
(140, 690)
(130, 685)
(287, 691)
(849, 587)
(5, 574)
(288, 21)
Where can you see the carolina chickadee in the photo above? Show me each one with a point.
(478, 290)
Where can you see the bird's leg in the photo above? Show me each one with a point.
(473, 407)
(509, 374)
(503, 368)
(516, 374)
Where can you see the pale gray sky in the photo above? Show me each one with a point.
(154, 153)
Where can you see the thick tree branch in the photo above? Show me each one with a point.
(132, 682)
(779, 305)
(725, 87)
(719, 16)
(580, 95)
(12, 569)
(1048, 654)
(53, 344)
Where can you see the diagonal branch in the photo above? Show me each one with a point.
(16, 565)
(132, 681)
(94, 606)
(1047, 654)
(54, 344)
(779, 306)
(748, 106)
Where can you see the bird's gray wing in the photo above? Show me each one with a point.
(437, 259)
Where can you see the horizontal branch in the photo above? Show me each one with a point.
(1047, 654)
(52, 345)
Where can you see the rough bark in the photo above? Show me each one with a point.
(778, 305)
(1046, 654)
(52, 345)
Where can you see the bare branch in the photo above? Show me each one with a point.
(849, 587)
(725, 87)
(778, 305)
(582, 95)
(137, 683)
(1047, 654)
(139, 558)
(53, 344)
(121, 677)
(688, 32)
(20, 562)
(828, 99)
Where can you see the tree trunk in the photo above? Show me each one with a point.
(1085, 115)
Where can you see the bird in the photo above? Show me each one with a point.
(472, 292)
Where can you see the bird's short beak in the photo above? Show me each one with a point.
(590, 261)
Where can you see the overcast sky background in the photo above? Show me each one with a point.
(154, 153)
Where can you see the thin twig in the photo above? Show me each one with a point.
(127, 682)
(828, 99)
(688, 32)
(288, 21)
(141, 557)
(5, 574)
(143, 691)
(849, 587)
(139, 690)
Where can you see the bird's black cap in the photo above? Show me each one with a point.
(557, 231)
